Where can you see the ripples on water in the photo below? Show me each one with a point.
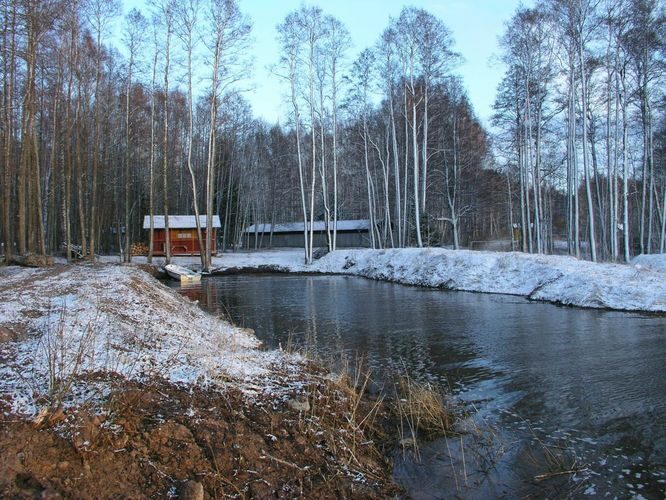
(591, 381)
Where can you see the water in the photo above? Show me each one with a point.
(565, 389)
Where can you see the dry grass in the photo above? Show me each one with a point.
(342, 414)
(65, 357)
(424, 409)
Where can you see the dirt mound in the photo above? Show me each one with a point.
(112, 385)
(164, 440)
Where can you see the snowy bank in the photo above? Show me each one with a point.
(58, 324)
(655, 261)
(557, 279)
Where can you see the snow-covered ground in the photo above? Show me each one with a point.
(558, 279)
(656, 261)
(67, 321)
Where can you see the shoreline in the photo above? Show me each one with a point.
(636, 287)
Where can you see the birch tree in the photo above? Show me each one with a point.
(291, 48)
(310, 22)
(576, 19)
(359, 105)
(151, 181)
(407, 31)
(388, 71)
(134, 37)
(229, 33)
(645, 45)
(188, 18)
(167, 10)
(337, 42)
(436, 58)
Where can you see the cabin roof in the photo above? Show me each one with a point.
(179, 221)
(294, 227)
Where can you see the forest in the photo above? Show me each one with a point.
(98, 130)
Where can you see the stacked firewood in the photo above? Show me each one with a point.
(139, 249)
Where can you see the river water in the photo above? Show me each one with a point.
(565, 401)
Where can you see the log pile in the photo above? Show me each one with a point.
(139, 249)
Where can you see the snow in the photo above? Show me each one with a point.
(557, 279)
(292, 227)
(117, 319)
(655, 262)
(640, 286)
(179, 221)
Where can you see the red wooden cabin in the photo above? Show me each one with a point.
(183, 233)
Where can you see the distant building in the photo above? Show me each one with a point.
(183, 233)
(351, 233)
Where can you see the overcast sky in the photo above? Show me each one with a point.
(475, 24)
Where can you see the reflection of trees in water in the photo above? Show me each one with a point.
(193, 291)
(396, 330)
(207, 294)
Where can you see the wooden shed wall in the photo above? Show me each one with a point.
(183, 241)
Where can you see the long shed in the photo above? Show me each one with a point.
(183, 233)
(350, 234)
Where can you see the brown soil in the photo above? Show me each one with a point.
(164, 440)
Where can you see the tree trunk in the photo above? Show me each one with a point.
(151, 188)
(165, 158)
(588, 190)
(190, 137)
(396, 172)
(625, 167)
(8, 96)
(127, 257)
(334, 105)
(415, 153)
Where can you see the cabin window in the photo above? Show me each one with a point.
(183, 236)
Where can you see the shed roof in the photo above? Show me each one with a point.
(294, 227)
(179, 221)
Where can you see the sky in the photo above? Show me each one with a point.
(475, 25)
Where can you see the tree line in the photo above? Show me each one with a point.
(580, 110)
(98, 131)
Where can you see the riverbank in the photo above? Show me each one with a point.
(557, 279)
(111, 384)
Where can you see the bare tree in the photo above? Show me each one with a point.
(230, 30)
(576, 19)
(134, 37)
(337, 43)
(188, 14)
(644, 44)
(37, 18)
(388, 69)
(359, 104)
(153, 97)
(290, 39)
(436, 57)
(101, 13)
(407, 29)
(9, 25)
(310, 23)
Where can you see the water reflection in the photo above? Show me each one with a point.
(544, 374)
(195, 292)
